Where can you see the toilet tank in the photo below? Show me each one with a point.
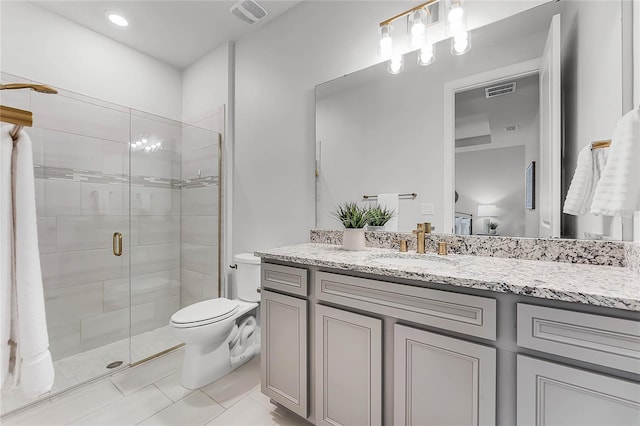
(247, 277)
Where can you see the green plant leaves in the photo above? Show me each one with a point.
(380, 215)
(353, 216)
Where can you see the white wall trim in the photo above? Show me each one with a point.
(636, 53)
(517, 70)
(636, 90)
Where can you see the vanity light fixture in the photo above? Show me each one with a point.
(418, 19)
(116, 19)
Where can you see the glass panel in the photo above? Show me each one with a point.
(155, 224)
(81, 167)
(200, 218)
(174, 208)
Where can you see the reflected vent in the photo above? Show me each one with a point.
(500, 89)
(249, 11)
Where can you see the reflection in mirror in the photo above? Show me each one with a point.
(497, 136)
(508, 153)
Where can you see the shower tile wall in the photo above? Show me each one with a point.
(199, 249)
(82, 197)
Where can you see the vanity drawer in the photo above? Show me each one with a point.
(285, 278)
(601, 340)
(472, 315)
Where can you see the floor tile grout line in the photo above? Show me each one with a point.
(165, 394)
(173, 403)
(208, 396)
(116, 386)
(163, 408)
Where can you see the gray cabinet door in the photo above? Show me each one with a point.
(442, 381)
(552, 394)
(348, 358)
(284, 351)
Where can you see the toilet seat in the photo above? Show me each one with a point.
(203, 313)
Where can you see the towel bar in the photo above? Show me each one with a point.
(411, 195)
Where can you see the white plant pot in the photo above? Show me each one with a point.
(353, 239)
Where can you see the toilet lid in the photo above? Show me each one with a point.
(209, 311)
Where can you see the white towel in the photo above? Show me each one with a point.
(6, 251)
(590, 165)
(618, 192)
(34, 367)
(390, 201)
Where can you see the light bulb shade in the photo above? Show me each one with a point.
(488, 210)
(426, 55)
(460, 44)
(456, 22)
(385, 41)
(396, 64)
(455, 12)
(417, 28)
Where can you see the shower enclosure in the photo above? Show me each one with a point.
(128, 227)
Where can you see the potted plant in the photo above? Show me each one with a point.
(354, 218)
(378, 217)
(492, 227)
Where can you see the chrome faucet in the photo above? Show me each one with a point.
(421, 233)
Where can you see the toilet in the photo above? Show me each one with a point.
(214, 343)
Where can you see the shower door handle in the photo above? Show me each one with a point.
(117, 244)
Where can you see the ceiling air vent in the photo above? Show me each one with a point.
(249, 11)
(512, 128)
(500, 89)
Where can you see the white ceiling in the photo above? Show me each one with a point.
(176, 32)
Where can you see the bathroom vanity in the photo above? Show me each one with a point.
(380, 337)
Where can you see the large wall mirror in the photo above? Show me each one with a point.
(488, 137)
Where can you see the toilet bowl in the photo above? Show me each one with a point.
(207, 328)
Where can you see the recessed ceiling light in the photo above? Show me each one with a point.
(117, 19)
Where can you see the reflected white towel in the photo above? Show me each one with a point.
(6, 250)
(590, 165)
(390, 201)
(618, 192)
(34, 366)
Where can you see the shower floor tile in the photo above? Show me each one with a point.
(88, 365)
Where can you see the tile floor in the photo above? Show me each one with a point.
(85, 366)
(151, 394)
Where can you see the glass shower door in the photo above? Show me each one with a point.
(81, 168)
(128, 209)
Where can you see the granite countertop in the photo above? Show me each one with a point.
(608, 286)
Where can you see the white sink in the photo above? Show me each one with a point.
(414, 260)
